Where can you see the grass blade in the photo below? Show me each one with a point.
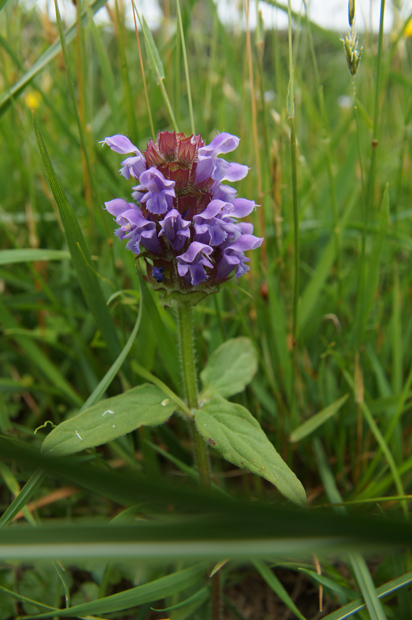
(314, 422)
(354, 606)
(9, 257)
(147, 593)
(274, 583)
(80, 254)
(43, 60)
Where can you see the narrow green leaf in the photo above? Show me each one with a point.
(374, 261)
(23, 497)
(115, 367)
(157, 66)
(358, 564)
(354, 606)
(38, 358)
(109, 419)
(289, 101)
(24, 599)
(8, 257)
(317, 420)
(274, 583)
(43, 60)
(277, 321)
(80, 254)
(189, 610)
(197, 595)
(312, 291)
(236, 434)
(152, 52)
(145, 374)
(367, 587)
(107, 74)
(329, 583)
(230, 368)
(166, 344)
(152, 591)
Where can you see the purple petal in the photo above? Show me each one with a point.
(219, 169)
(121, 144)
(223, 192)
(133, 166)
(212, 210)
(117, 206)
(234, 172)
(160, 191)
(222, 143)
(242, 207)
(233, 256)
(246, 242)
(208, 227)
(175, 229)
(193, 262)
(134, 226)
(245, 228)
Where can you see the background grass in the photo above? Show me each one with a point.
(351, 361)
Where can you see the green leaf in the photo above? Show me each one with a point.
(354, 606)
(237, 435)
(274, 583)
(374, 261)
(230, 368)
(80, 254)
(38, 358)
(152, 52)
(317, 420)
(312, 292)
(166, 344)
(8, 257)
(109, 419)
(146, 593)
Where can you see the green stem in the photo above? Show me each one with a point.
(291, 111)
(370, 186)
(188, 366)
(189, 93)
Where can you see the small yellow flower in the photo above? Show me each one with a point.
(408, 29)
(32, 100)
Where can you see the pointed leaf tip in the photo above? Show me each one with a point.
(239, 438)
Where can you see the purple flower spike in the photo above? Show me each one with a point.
(183, 215)
(159, 191)
(193, 262)
(175, 229)
(233, 256)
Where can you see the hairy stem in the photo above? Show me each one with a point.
(188, 367)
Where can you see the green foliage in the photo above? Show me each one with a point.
(229, 369)
(238, 436)
(109, 419)
(76, 326)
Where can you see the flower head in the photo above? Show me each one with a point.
(184, 220)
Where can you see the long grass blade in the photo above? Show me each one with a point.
(79, 253)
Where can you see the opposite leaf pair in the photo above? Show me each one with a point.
(229, 428)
